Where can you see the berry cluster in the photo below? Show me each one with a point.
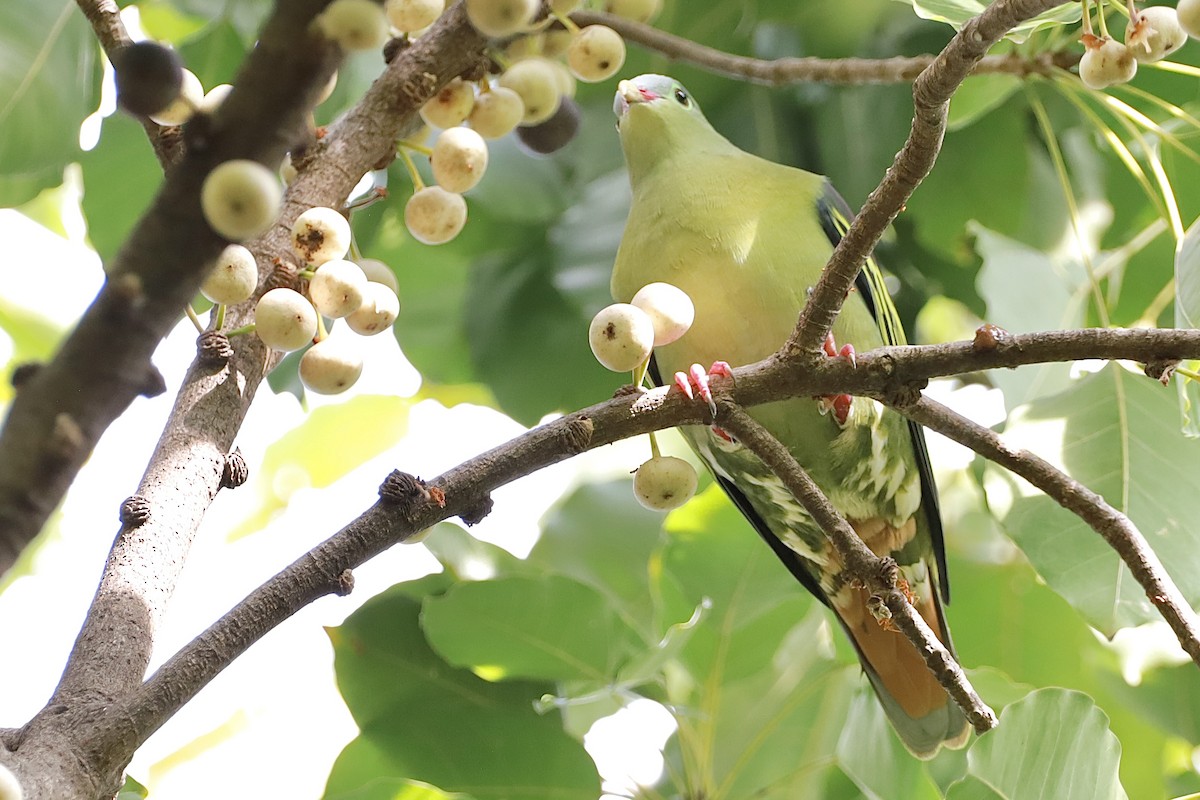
(1152, 34)
(622, 337)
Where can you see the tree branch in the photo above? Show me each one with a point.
(878, 575)
(60, 413)
(1116, 528)
(317, 573)
(931, 102)
(785, 71)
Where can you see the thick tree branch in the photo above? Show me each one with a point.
(315, 574)
(785, 71)
(60, 413)
(878, 575)
(931, 101)
(114, 647)
(1116, 528)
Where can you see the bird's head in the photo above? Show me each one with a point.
(657, 116)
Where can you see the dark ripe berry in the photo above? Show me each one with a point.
(149, 77)
(554, 133)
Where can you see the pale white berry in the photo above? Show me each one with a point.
(669, 308)
(496, 112)
(233, 278)
(285, 320)
(354, 24)
(379, 309)
(621, 336)
(287, 170)
(639, 10)
(240, 199)
(556, 41)
(320, 234)
(534, 79)
(331, 366)
(214, 97)
(459, 159)
(435, 216)
(191, 96)
(664, 483)
(10, 787)
(379, 272)
(501, 17)
(566, 78)
(1154, 33)
(1188, 13)
(327, 89)
(596, 54)
(337, 288)
(1106, 62)
(413, 15)
(450, 106)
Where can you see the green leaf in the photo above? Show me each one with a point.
(870, 753)
(422, 720)
(552, 628)
(1187, 315)
(120, 178)
(1113, 432)
(466, 558)
(215, 55)
(49, 82)
(402, 789)
(957, 12)
(1026, 291)
(1054, 743)
(363, 427)
(978, 96)
(132, 790)
(599, 537)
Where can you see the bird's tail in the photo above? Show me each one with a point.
(923, 715)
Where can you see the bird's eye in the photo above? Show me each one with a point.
(682, 97)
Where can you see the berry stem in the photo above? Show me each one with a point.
(654, 451)
(566, 22)
(1087, 18)
(1187, 373)
(417, 146)
(242, 331)
(1100, 19)
(306, 274)
(639, 374)
(220, 316)
(191, 314)
(321, 332)
(418, 184)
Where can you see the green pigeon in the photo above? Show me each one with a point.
(747, 239)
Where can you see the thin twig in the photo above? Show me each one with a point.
(877, 574)
(932, 91)
(1116, 528)
(791, 70)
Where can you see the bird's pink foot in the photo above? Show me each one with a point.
(839, 404)
(698, 379)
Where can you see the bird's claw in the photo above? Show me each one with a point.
(839, 404)
(699, 378)
(847, 350)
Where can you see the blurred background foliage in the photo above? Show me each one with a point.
(1051, 207)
